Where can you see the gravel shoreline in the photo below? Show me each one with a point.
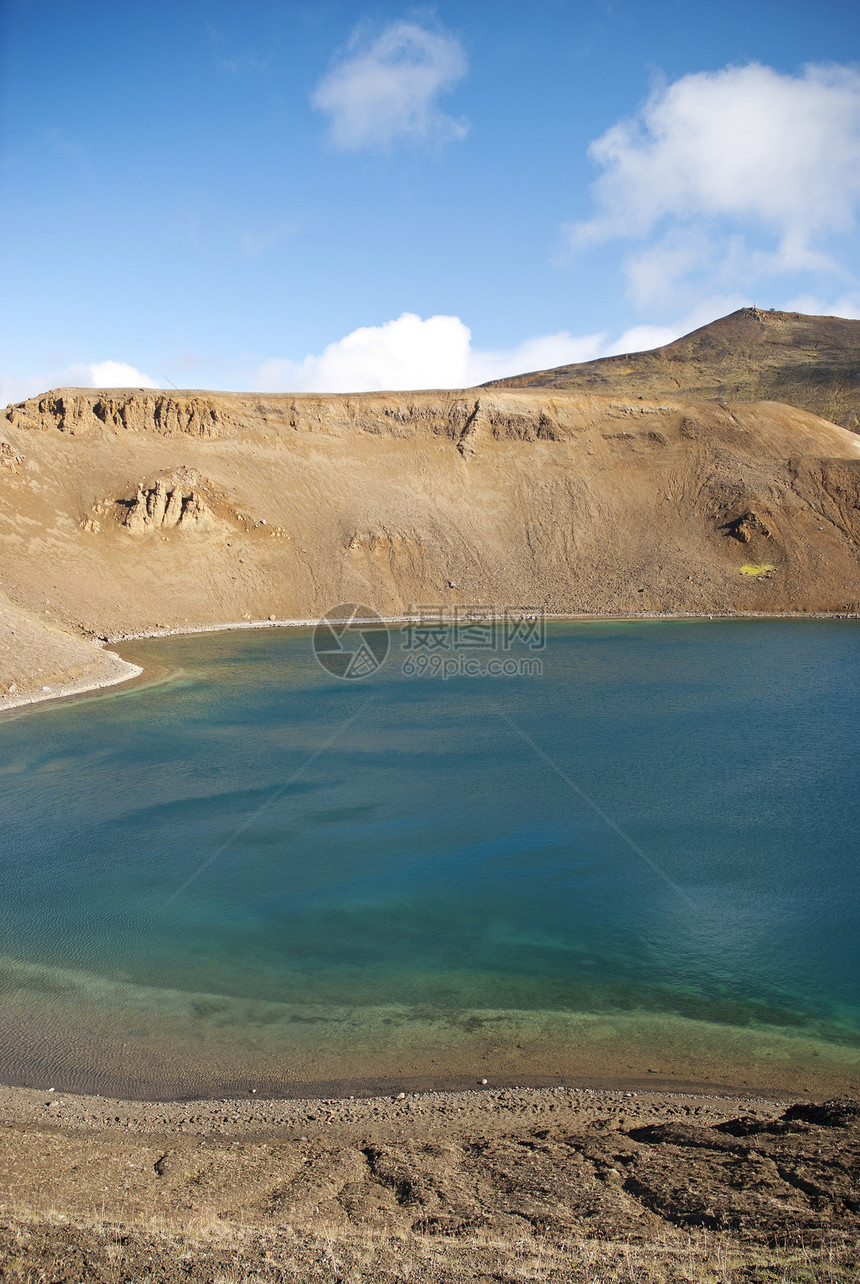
(203, 1117)
(125, 672)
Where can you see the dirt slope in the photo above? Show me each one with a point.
(809, 362)
(54, 659)
(125, 511)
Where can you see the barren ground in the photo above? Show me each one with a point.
(493, 1184)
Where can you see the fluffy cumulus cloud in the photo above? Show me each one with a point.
(406, 353)
(731, 174)
(386, 90)
(114, 374)
(434, 353)
(94, 374)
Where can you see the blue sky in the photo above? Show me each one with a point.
(326, 196)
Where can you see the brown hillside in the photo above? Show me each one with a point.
(125, 511)
(809, 362)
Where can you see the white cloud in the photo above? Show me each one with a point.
(406, 353)
(413, 353)
(94, 374)
(848, 306)
(385, 91)
(717, 159)
(114, 374)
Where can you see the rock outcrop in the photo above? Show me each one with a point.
(76, 411)
(743, 528)
(9, 456)
(163, 507)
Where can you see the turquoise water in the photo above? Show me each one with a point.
(435, 886)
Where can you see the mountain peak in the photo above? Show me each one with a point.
(754, 354)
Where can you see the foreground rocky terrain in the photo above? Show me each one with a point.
(514, 1184)
(124, 512)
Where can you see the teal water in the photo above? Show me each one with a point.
(435, 886)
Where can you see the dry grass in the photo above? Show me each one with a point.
(38, 1248)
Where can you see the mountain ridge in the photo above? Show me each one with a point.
(750, 355)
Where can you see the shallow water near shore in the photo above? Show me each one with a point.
(637, 866)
